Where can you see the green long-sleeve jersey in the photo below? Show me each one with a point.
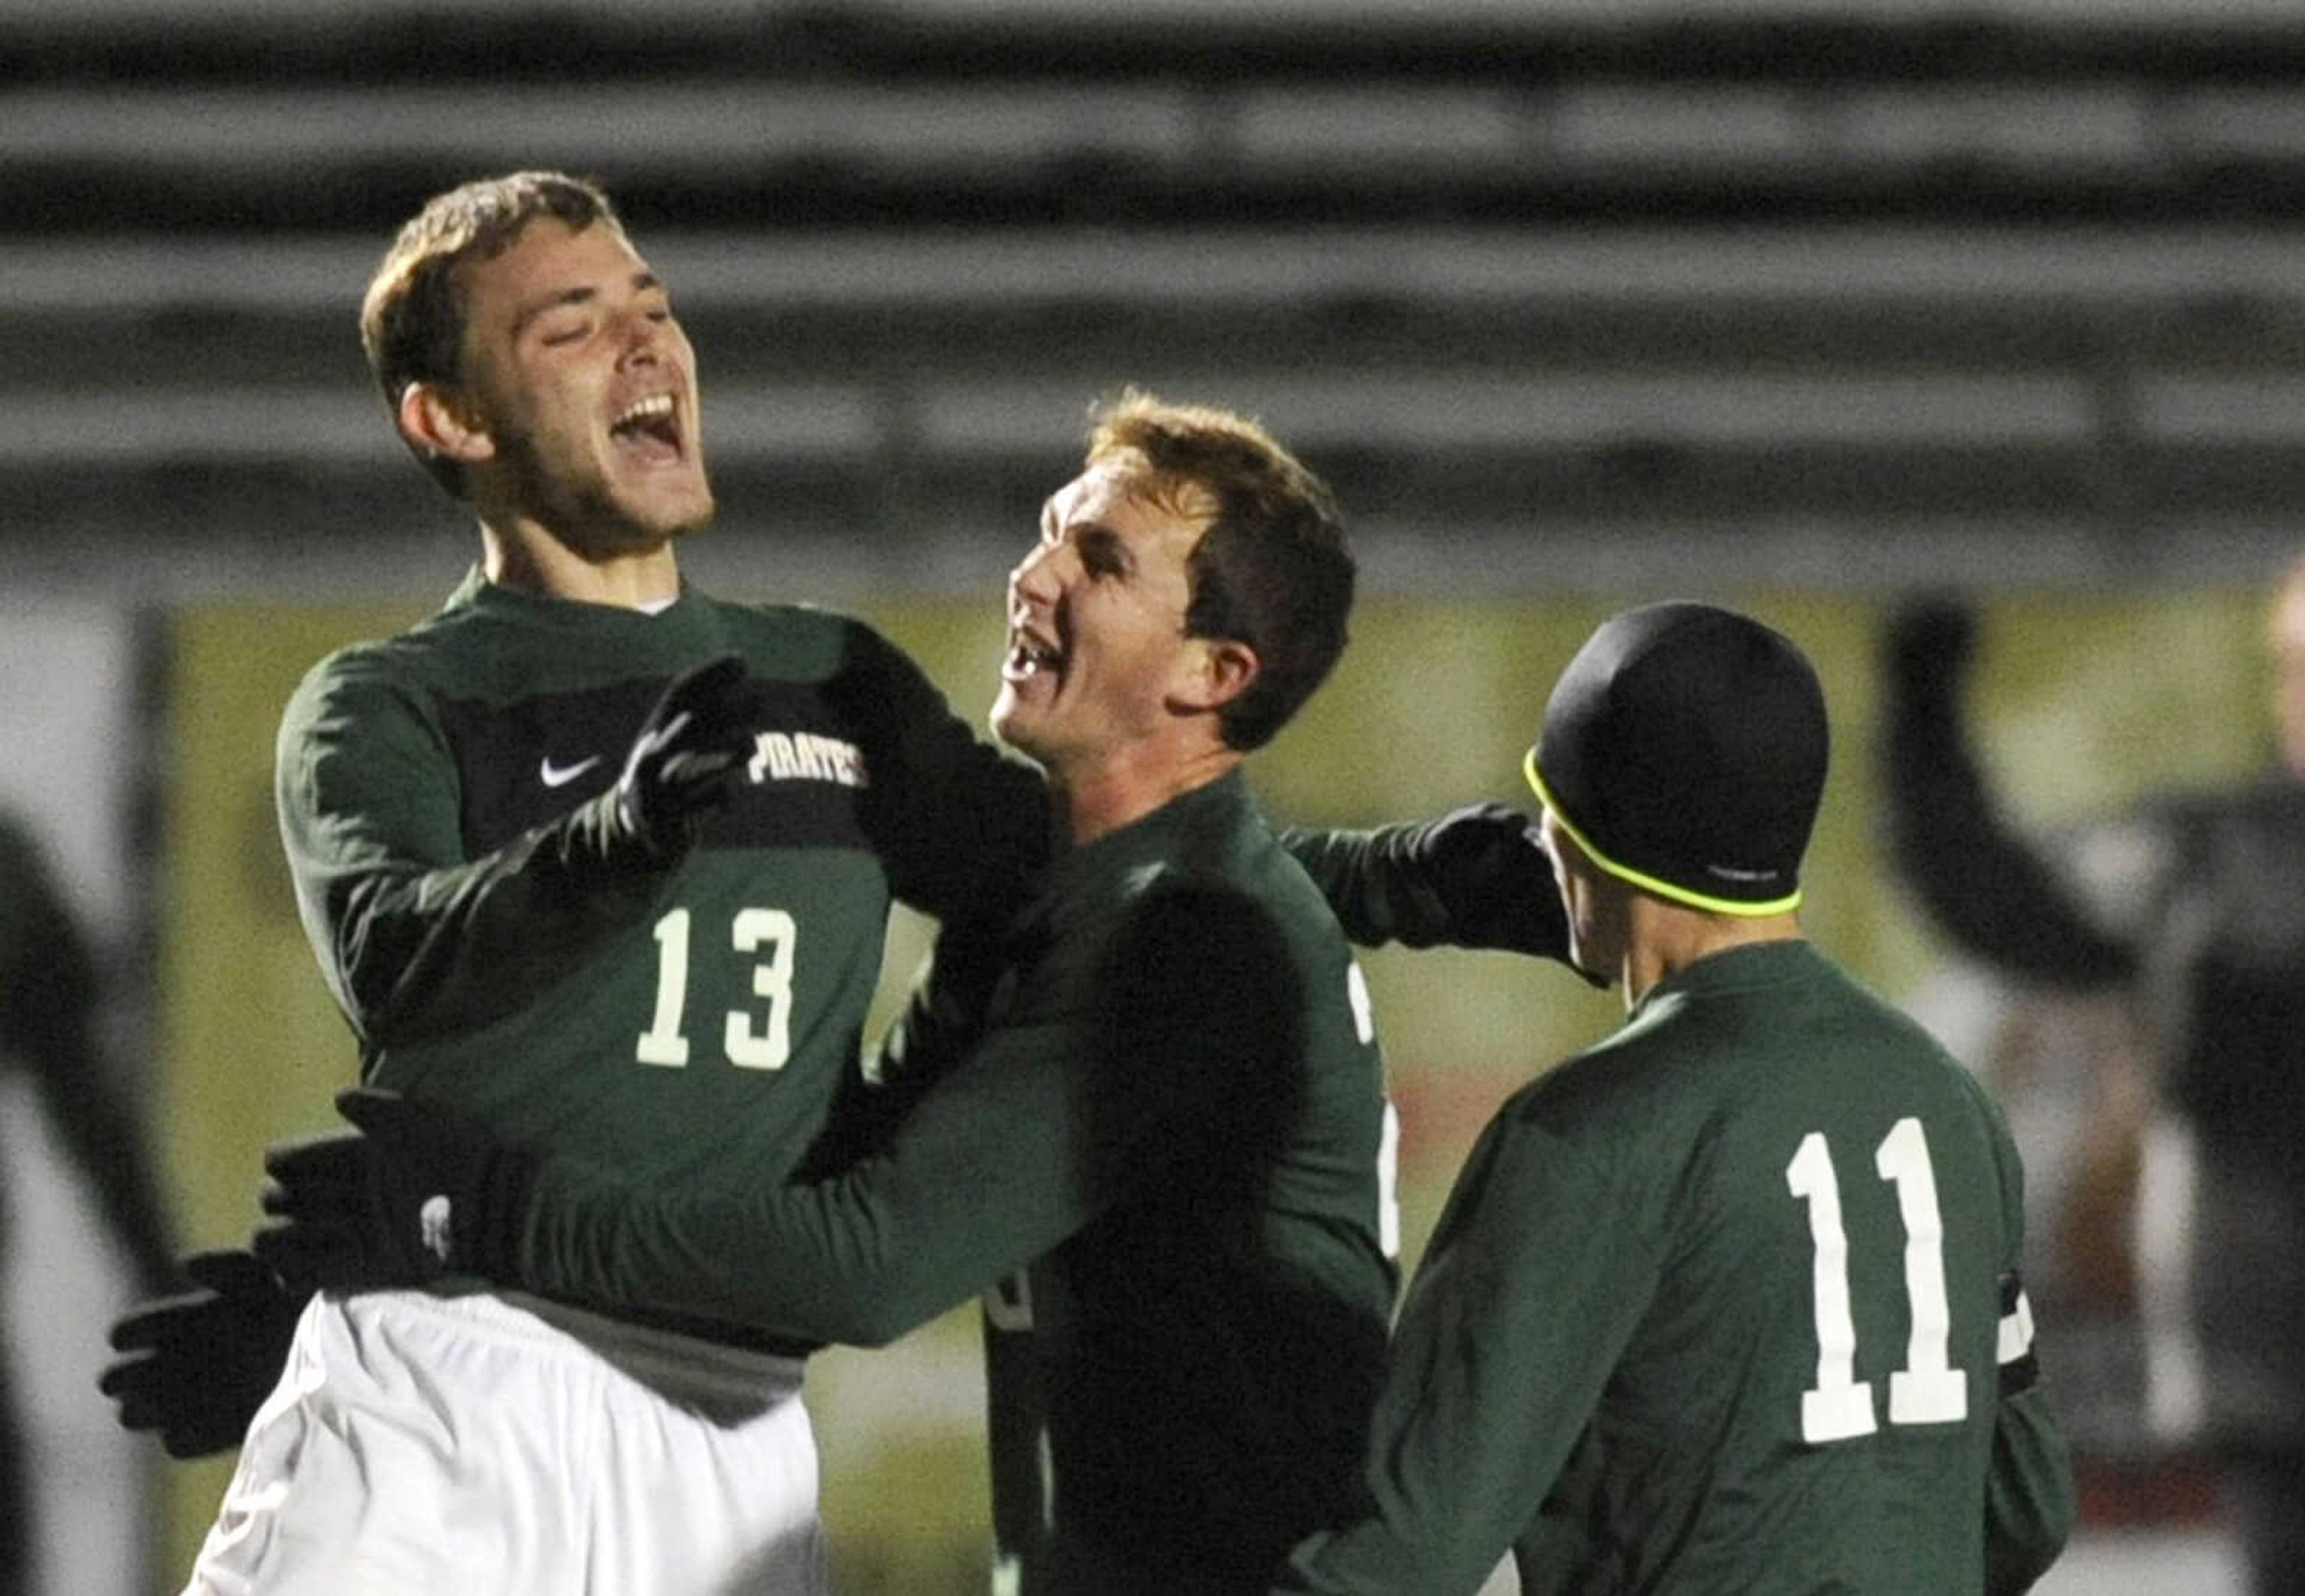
(1725, 1304)
(1171, 1143)
(442, 794)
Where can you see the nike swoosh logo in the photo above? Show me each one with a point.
(560, 775)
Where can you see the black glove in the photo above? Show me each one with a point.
(196, 1367)
(1485, 862)
(414, 1194)
(688, 756)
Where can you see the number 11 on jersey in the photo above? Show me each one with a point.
(1927, 1390)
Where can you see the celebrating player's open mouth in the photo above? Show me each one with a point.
(646, 432)
(1030, 656)
(653, 445)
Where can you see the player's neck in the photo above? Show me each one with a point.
(527, 558)
(1667, 938)
(1094, 798)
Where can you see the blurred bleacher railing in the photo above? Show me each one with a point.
(1842, 295)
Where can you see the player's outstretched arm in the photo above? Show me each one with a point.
(978, 1183)
(416, 938)
(1473, 877)
(1049, 1119)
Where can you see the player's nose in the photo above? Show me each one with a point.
(1037, 578)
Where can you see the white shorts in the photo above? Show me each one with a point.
(425, 1446)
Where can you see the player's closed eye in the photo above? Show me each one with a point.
(1101, 555)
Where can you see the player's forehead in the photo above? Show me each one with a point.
(1120, 492)
(550, 262)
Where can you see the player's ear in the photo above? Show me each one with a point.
(437, 421)
(1216, 671)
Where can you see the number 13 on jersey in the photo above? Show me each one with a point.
(760, 1041)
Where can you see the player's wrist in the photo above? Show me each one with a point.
(502, 1194)
(451, 1196)
(602, 841)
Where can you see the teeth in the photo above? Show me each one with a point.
(655, 407)
(1029, 654)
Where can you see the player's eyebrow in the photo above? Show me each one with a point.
(644, 282)
(1101, 546)
(1096, 541)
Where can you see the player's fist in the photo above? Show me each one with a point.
(688, 756)
(1485, 863)
(1929, 644)
(194, 1368)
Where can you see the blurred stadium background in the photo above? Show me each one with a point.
(1803, 305)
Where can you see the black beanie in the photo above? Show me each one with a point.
(1684, 749)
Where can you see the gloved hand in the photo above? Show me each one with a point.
(414, 1194)
(687, 757)
(195, 1367)
(1485, 862)
(1927, 649)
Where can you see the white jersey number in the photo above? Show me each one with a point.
(752, 1039)
(1388, 1151)
(1927, 1390)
